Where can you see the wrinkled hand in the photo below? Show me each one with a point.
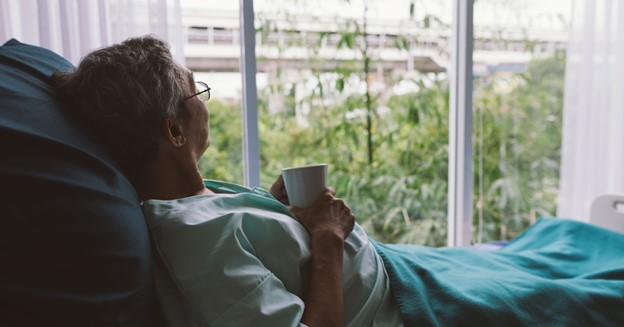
(327, 214)
(278, 190)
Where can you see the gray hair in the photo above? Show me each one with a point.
(125, 91)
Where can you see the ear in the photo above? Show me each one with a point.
(172, 132)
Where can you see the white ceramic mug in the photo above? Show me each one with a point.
(304, 184)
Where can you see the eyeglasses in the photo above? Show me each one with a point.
(202, 92)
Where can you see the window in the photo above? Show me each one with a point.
(517, 106)
(212, 53)
(198, 34)
(384, 127)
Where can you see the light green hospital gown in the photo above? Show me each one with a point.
(238, 258)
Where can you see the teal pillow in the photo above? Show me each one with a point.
(74, 246)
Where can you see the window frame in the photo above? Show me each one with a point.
(251, 140)
(460, 176)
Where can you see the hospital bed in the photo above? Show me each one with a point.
(607, 211)
(74, 247)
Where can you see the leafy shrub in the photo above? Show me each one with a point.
(402, 195)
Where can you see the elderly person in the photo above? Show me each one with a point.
(231, 256)
(151, 114)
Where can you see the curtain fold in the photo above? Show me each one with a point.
(73, 28)
(592, 157)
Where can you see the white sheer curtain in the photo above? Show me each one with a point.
(73, 28)
(593, 118)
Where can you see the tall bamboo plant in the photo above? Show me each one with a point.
(400, 193)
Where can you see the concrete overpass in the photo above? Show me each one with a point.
(212, 44)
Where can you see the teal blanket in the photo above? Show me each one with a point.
(557, 273)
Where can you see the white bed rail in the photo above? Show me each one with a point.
(607, 211)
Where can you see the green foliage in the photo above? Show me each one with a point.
(223, 159)
(401, 196)
(517, 139)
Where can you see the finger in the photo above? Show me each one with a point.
(327, 195)
(279, 182)
(347, 210)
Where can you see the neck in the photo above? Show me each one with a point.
(166, 180)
